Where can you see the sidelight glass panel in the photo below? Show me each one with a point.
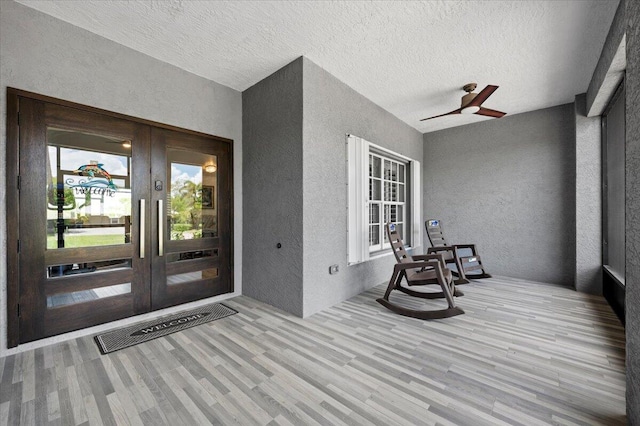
(87, 268)
(191, 197)
(88, 189)
(191, 255)
(192, 276)
(64, 299)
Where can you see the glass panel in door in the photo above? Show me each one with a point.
(191, 195)
(88, 190)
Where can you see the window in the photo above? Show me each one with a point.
(383, 187)
(387, 195)
(614, 186)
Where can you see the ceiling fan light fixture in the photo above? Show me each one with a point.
(470, 110)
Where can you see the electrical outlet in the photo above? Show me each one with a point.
(333, 269)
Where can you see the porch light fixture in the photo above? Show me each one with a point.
(126, 144)
(210, 168)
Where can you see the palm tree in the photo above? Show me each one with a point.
(186, 202)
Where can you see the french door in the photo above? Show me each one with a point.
(116, 217)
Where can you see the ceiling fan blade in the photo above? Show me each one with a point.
(491, 112)
(482, 96)
(455, 111)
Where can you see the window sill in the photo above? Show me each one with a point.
(620, 279)
(381, 254)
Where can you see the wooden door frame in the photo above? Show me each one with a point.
(12, 193)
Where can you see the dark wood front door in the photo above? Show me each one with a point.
(115, 218)
(191, 253)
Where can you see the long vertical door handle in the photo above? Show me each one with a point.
(160, 229)
(142, 227)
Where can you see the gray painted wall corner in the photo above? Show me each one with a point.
(632, 226)
(331, 111)
(273, 189)
(588, 200)
(508, 185)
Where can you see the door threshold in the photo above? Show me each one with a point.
(65, 337)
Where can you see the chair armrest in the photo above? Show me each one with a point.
(413, 265)
(471, 246)
(449, 251)
(438, 249)
(435, 264)
(431, 257)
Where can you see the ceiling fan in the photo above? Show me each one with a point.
(471, 103)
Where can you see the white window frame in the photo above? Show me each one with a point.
(389, 183)
(358, 151)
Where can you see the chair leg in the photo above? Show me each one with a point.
(429, 295)
(483, 274)
(478, 276)
(462, 279)
(459, 280)
(479, 266)
(394, 282)
(448, 289)
(438, 314)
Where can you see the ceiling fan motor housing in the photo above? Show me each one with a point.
(469, 88)
(468, 98)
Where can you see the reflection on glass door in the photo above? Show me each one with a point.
(88, 196)
(191, 196)
(88, 199)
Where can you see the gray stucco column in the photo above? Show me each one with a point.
(588, 200)
(632, 223)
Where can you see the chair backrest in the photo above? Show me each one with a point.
(398, 248)
(434, 232)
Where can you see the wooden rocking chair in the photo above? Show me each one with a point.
(455, 254)
(419, 270)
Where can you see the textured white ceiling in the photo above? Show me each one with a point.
(410, 57)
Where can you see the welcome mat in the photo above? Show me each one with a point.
(143, 332)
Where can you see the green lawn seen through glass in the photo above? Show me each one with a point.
(71, 241)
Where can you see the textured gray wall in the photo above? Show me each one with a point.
(331, 110)
(42, 54)
(632, 280)
(508, 185)
(588, 200)
(273, 185)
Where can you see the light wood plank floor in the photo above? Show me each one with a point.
(524, 353)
